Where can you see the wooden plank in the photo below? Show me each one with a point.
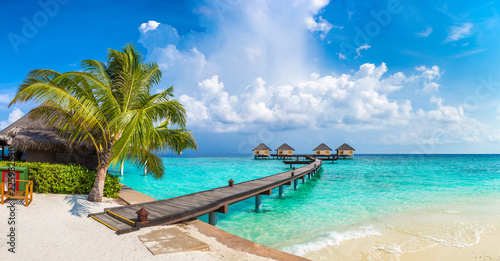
(188, 206)
(169, 205)
(161, 209)
(194, 203)
(123, 213)
(169, 208)
(196, 198)
(221, 194)
(235, 190)
(126, 212)
(212, 198)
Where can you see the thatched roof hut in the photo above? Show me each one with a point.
(284, 146)
(345, 151)
(261, 146)
(345, 146)
(322, 147)
(34, 135)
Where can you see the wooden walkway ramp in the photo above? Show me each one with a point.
(124, 219)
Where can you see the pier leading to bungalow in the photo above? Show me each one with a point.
(129, 218)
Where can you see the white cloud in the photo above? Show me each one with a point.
(470, 52)
(429, 74)
(318, 25)
(459, 31)
(317, 5)
(14, 115)
(429, 87)
(428, 30)
(359, 49)
(342, 56)
(4, 98)
(357, 102)
(252, 39)
(149, 26)
(428, 77)
(443, 125)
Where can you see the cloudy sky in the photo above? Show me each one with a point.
(385, 77)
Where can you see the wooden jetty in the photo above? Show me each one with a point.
(306, 159)
(125, 219)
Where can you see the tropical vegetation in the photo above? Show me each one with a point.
(109, 105)
(66, 179)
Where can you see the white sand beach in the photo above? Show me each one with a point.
(366, 249)
(56, 227)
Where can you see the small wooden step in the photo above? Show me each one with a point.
(113, 223)
(120, 216)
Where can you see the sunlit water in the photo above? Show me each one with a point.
(413, 201)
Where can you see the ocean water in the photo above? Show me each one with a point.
(405, 202)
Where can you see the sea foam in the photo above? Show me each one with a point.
(332, 238)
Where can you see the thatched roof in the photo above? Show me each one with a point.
(284, 146)
(345, 147)
(262, 146)
(322, 146)
(34, 134)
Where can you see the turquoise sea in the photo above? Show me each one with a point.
(408, 202)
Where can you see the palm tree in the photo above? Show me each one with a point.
(109, 106)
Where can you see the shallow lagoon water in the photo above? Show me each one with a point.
(412, 201)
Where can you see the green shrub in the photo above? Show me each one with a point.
(66, 179)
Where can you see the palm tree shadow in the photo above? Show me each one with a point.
(80, 206)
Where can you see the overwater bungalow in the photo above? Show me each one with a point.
(285, 149)
(322, 149)
(261, 151)
(345, 151)
(40, 143)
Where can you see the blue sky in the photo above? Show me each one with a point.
(385, 77)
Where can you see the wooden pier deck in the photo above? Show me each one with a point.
(124, 219)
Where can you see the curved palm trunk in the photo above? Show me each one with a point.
(97, 191)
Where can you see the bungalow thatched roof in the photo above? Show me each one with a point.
(284, 146)
(34, 134)
(345, 147)
(262, 146)
(322, 146)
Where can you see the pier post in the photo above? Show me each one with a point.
(212, 218)
(282, 191)
(303, 179)
(258, 203)
(295, 184)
